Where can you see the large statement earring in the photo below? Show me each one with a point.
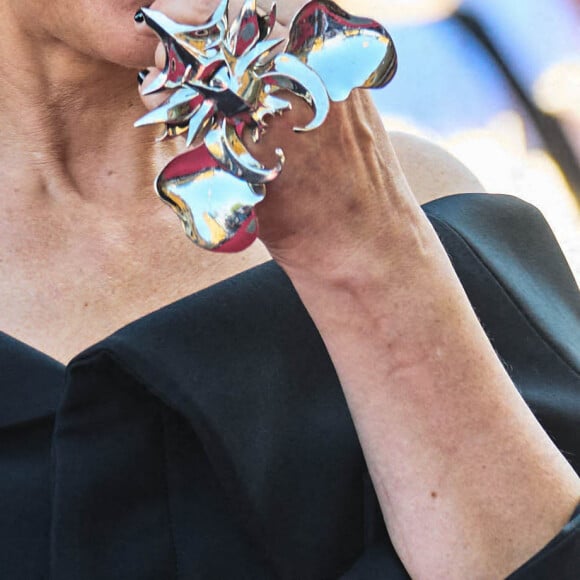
(227, 79)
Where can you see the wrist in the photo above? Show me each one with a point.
(388, 246)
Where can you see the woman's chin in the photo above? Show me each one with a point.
(130, 50)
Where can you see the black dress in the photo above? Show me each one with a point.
(211, 439)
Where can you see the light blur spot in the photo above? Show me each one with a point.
(557, 91)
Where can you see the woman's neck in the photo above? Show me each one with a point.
(85, 245)
(67, 123)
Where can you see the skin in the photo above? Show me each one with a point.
(468, 482)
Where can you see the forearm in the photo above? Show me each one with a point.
(469, 483)
(459, 463)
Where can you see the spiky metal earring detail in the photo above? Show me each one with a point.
(226, 79)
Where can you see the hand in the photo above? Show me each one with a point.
(336, 173)
(335, 198)
(468, 482)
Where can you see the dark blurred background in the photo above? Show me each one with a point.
(497, 82)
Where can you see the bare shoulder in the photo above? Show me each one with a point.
(431, 170)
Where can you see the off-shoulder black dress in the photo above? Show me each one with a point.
(211, 439)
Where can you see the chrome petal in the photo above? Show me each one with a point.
(216, 208)
(244, 31)
(346, 51)
(199, 122)
(267, 22)
(177, 109)
(190, 50)
(292, 74)
(228, 81)
(271, 105)
(227, 148)
(261, 52)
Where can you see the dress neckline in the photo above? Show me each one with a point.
(55, 363)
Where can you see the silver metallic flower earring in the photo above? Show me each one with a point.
(226, 79)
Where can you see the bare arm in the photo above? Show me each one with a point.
(468, 482)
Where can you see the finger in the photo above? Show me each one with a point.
(151, 74)
(156, 99)
(160, 56)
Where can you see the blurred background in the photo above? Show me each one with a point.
(496, 82)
